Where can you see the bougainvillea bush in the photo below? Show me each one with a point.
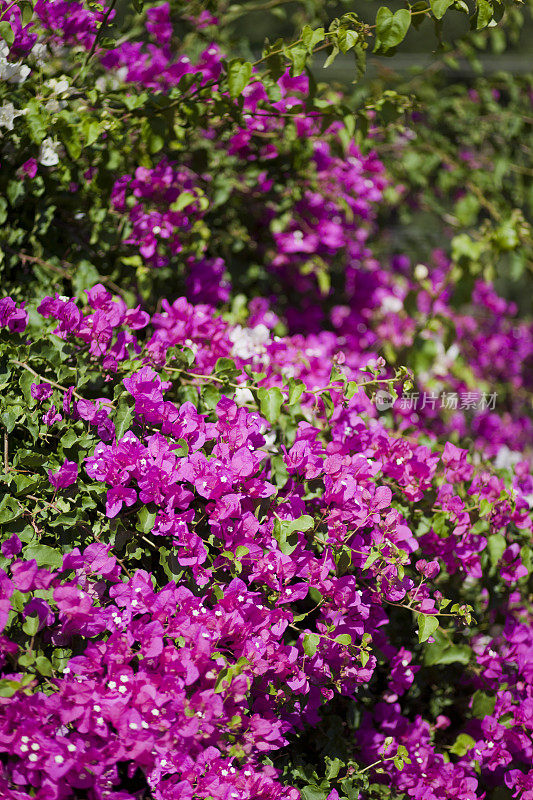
(266, 493)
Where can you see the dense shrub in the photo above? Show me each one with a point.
(266, 527)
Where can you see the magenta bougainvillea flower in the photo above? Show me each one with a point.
(65, 476)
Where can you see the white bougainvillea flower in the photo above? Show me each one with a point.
(48, 156)
(12, 71)
(8, 113)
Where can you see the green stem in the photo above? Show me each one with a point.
(96, 40)
(14, 3)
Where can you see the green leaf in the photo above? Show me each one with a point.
(270, 401)
(36, 120)
(9, 418)
(372, 557)
(525, 555)
(296, 390)
(297, 54)
(284, 531)
(9, 509)
(184, 199)
(70, 135)
(466, 209)
(465, 249)
(333, 768)
(123, 418)
(210, 395)
(146, 520)
(92, 129)
(347, 39)
(496, 545)
(331, 58)
(303, 523)
(484, 14)
(462, 744)
(27, 659)
(85, 276)
(43, 665)
(225, 368)
(343, 638)
(344, 561)
(6, 32)
(485, 507)
(19, 600)
(440, 7)
(27, 12)
(313, 793)
(506, 719)
(222, 675)
(45, 556)
(329, 405)
(442, 651)
(8, 687)
(391, 28)
(427, 625)
(482, 704)
(181, 448)
(506, 236)
(31, 625)
(360, 60)
(279, 470)
(310, 643)
(312, 37)
(239, 74)
(351, 389)
(14, 191)
(68, 439)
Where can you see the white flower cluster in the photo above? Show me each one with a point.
(11, 71)
(8, 113)
(39, 54)
(507, 458)
(243, 395)
(48, 155)
(391, 303)
(248, 342)
(60, 88)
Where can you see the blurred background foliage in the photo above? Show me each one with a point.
(460, 155)
(451, 117)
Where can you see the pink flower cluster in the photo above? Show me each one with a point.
(183, 692)
(328, 224)
(24, 38)
(499, 737)
(148, 693)
(58, 22)
(12, 316)
(164, 206)
(70, 21)
(103, 330)
(155, 66)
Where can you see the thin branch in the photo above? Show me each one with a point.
(6, 453)
(96, 39)
(47, 380)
